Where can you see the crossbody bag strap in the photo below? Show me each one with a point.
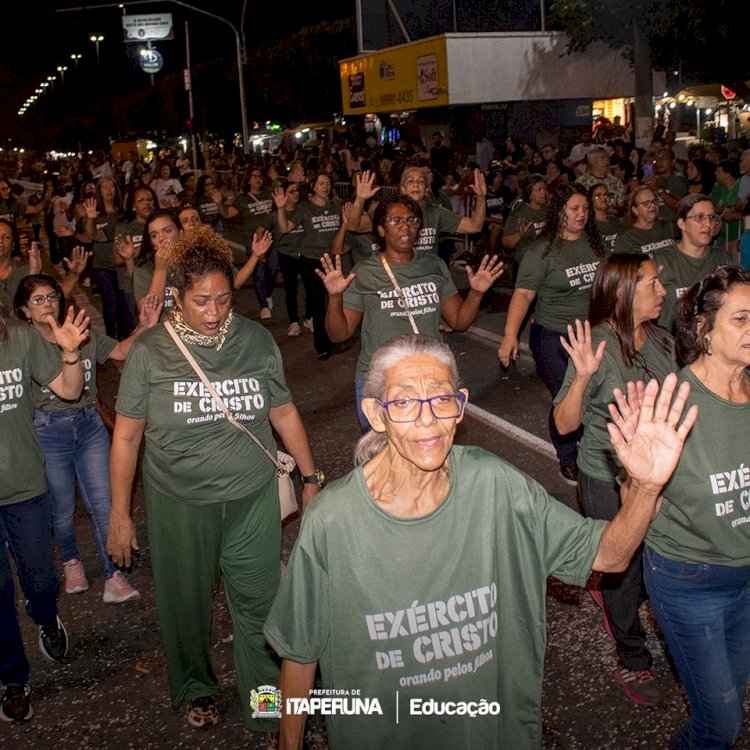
(220, 403)
(399, 292)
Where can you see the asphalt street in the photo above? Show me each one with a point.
(111, 691)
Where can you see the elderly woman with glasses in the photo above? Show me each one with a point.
(619, 343)
(418, 580)
(398, 291)
(643, 231)
(692, 257)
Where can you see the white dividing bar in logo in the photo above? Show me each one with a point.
(397, 708)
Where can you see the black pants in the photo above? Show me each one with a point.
(623, 593)
(317, 301)
(290, 272)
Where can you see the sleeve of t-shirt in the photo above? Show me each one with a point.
(447, 220)
(298, 624)
(104, 345)
(132, 395)
(447, 287)
(353, 298)
(532, 271)
(46, 361)
(569, 542)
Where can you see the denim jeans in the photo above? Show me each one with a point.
(622, 593)
(551, 362)
(27, 529)
(264, 277)
(704, 613)
(76, 447)
(106, 283)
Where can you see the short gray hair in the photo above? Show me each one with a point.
(385, 358)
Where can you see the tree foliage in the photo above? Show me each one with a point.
(704, 40)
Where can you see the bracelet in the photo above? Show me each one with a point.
(72, 361)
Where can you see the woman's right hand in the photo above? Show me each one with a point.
(332, 275)
(508, 350)
(90, 206)
(585, 359)
(279, 197)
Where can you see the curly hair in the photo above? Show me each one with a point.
(556, 220)
(199, 253)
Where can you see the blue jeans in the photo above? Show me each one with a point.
(27, 528)
(551, 362)
(76, 447)
(704, 613)
(264, 277)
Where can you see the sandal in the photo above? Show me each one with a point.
(203, 712)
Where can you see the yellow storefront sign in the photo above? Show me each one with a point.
(410, 76)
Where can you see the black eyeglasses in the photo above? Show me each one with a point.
(640, 362)
(399, 221)
(40, 299)
(702, 218)
(445, 406)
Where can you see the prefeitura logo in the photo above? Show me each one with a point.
(266, 702)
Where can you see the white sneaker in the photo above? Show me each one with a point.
(265, 313)
(269, 303)
(75, 578)
(293, 330)
(118, 590)
(308, 324)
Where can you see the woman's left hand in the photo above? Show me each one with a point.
(77, 262)
(149, 310)
(480, 184)
(309, 491)
(73, 332)
(646, 432)
(486, 275)
(34, 258)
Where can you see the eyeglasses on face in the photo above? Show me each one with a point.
(647, 203)
(40, 299)
(399, 221)
(703, 218)
(602, 197)
(445, 406)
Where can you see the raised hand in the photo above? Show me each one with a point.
(90, 207)
(489, 271)
(648, 433)
(366, 188)
(480, 184)
(77, 262)
(124, 246)
(73, 332)
(260, 244)
(585, 359)
(279, 197)
(149, 310)
(332, 275)
(34, 257)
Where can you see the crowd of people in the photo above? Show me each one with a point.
(626, 267)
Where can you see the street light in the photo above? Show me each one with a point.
(75, 58)
(96, 38)
(61, 70)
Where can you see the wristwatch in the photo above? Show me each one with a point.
(317, 477)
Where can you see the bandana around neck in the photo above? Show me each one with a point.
(189, 336)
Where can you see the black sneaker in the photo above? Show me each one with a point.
(16, 703)
(640, 686)
(53, 640)
(569, 474)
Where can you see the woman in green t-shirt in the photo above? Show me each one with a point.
(556, 275)
(618, 344)
(697, 551)
(642, 230)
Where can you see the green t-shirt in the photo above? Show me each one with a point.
(289, 243)
(142, 277)
(596, 456)
(465, 622)
(135, 229)
(9, 286)
(681, 271)
(523, 212)
(192, 452)
(561, 278)
(425, 282)
(676, 185)
(104, 251)
(705, 514)
(724, 197)
(636, 240)
(608, 230)
(95, 351)
(362, 245)
(255, 210)
(436, 220)
(24, 355)
(319, 224)
(209, 211)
